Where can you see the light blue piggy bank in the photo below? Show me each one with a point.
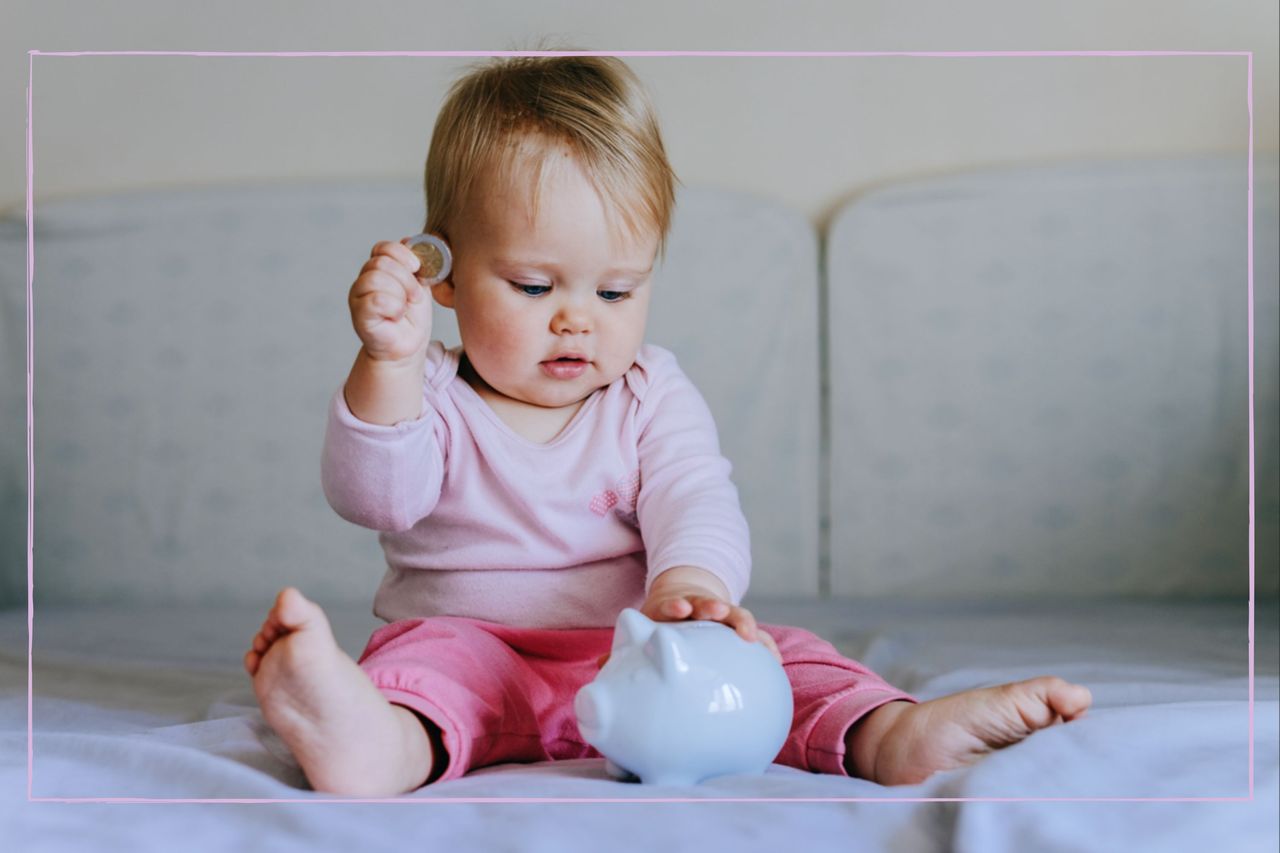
(680, 702)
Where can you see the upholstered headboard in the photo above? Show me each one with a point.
(1040, 386)
(1036, 380)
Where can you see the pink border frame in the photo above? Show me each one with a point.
(414, 800)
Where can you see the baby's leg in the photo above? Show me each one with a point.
(499, 693)
(348, 738)
(850, 721)
(830, 693)
(903, 743)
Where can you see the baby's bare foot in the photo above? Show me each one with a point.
(903, 744)
(348, 738)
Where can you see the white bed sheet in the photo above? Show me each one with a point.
(151, 703)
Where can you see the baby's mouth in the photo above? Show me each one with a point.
(565, 367)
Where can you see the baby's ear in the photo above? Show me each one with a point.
(442, 291)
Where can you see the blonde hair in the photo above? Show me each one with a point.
(593, 104)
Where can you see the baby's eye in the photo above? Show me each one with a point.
(614, 295)
(530, 289)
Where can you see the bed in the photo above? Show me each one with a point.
(1006, 421)
(120, 715)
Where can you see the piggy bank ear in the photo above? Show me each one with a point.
(667, 652)
(632, 629)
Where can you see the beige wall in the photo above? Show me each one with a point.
(807, 131)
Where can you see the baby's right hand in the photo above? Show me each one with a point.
(390, 309)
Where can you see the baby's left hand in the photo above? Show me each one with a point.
(678, 605)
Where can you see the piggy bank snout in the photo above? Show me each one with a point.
(591, 706)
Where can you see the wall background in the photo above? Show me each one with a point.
(808, 132)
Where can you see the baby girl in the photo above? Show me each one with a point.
(549, 472)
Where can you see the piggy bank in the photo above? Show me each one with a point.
(681, 702)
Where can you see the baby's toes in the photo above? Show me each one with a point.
(1068, 700)
(1044, 701)
(270, 631)
(292, 608)
(292, 611)
(257, 648)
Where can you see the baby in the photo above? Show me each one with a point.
(549, 472)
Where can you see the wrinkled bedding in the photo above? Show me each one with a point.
(152, 703)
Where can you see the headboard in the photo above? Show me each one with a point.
(1040, 382)
(1036, 379)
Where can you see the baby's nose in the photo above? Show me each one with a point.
(571, 320)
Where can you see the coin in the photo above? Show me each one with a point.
(431, 259)
(434, 255)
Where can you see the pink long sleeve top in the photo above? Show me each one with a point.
(478, 521)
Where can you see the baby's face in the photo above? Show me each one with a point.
(549, 308)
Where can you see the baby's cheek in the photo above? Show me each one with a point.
(504, 336)
(624, 339)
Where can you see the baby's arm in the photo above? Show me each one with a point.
(383, 477)
(383, 459)
(382, 392)
(688, 506)
(695, 535)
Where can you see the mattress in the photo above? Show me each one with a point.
(151, 703)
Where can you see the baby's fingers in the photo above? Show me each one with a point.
(675, 608)
(382, 271)
(768, 642)
(382, 303)
(399, 251)
(741, 620)
(711, 609)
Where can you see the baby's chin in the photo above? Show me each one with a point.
(564, 393)
(560, 398)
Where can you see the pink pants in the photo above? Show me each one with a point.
(501, 694)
